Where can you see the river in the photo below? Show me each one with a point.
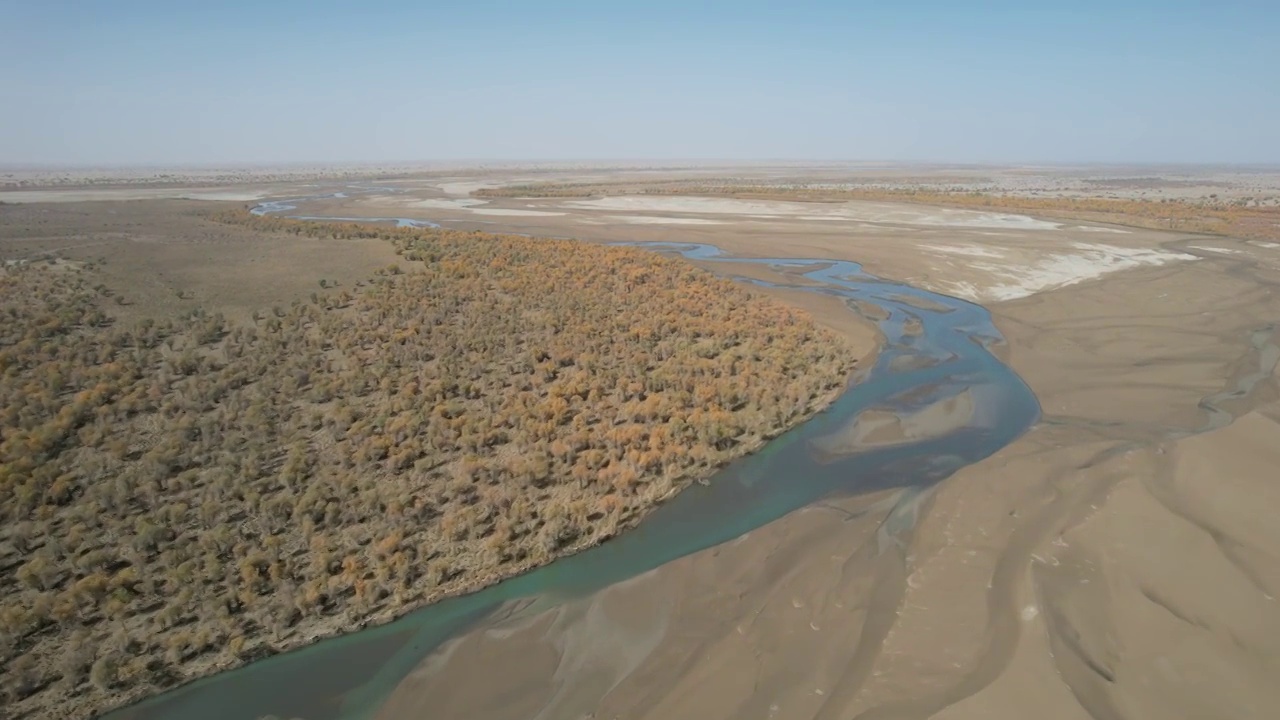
(936, 347)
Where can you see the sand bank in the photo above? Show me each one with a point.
(1119, 561)
(866, 212)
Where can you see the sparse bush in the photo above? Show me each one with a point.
(103, 673)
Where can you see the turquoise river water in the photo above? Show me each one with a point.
(935, 347)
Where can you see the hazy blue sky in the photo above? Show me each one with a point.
(136, 81)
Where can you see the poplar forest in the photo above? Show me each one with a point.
(183, 496)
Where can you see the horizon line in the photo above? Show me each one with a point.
(637, 161)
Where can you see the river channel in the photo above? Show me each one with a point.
(935, 348)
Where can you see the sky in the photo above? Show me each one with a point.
(139, 82)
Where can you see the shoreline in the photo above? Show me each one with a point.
(1000, 591)
(582, 628)
(752, 495)
(333, 627)
(1021, 572)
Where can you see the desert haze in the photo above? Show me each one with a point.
(640, 361)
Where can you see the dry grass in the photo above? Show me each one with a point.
(163, 259)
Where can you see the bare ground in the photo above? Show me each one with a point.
(1117, 562)
(148, 252)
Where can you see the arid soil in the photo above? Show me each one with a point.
(162, 259)
(984, 254)
(1243, 205)
(1121, 560)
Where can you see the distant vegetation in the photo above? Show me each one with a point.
(186, 496)
(571, 190)
(1250, 218)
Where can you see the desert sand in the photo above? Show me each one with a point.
(1120, 560)
(975, 255)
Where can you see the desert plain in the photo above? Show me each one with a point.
(1121, 559)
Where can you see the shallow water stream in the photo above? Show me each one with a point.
(936, 347)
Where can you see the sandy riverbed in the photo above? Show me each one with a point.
(1118, 561)
(979, 256)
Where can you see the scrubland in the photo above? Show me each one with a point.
(188, 494)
